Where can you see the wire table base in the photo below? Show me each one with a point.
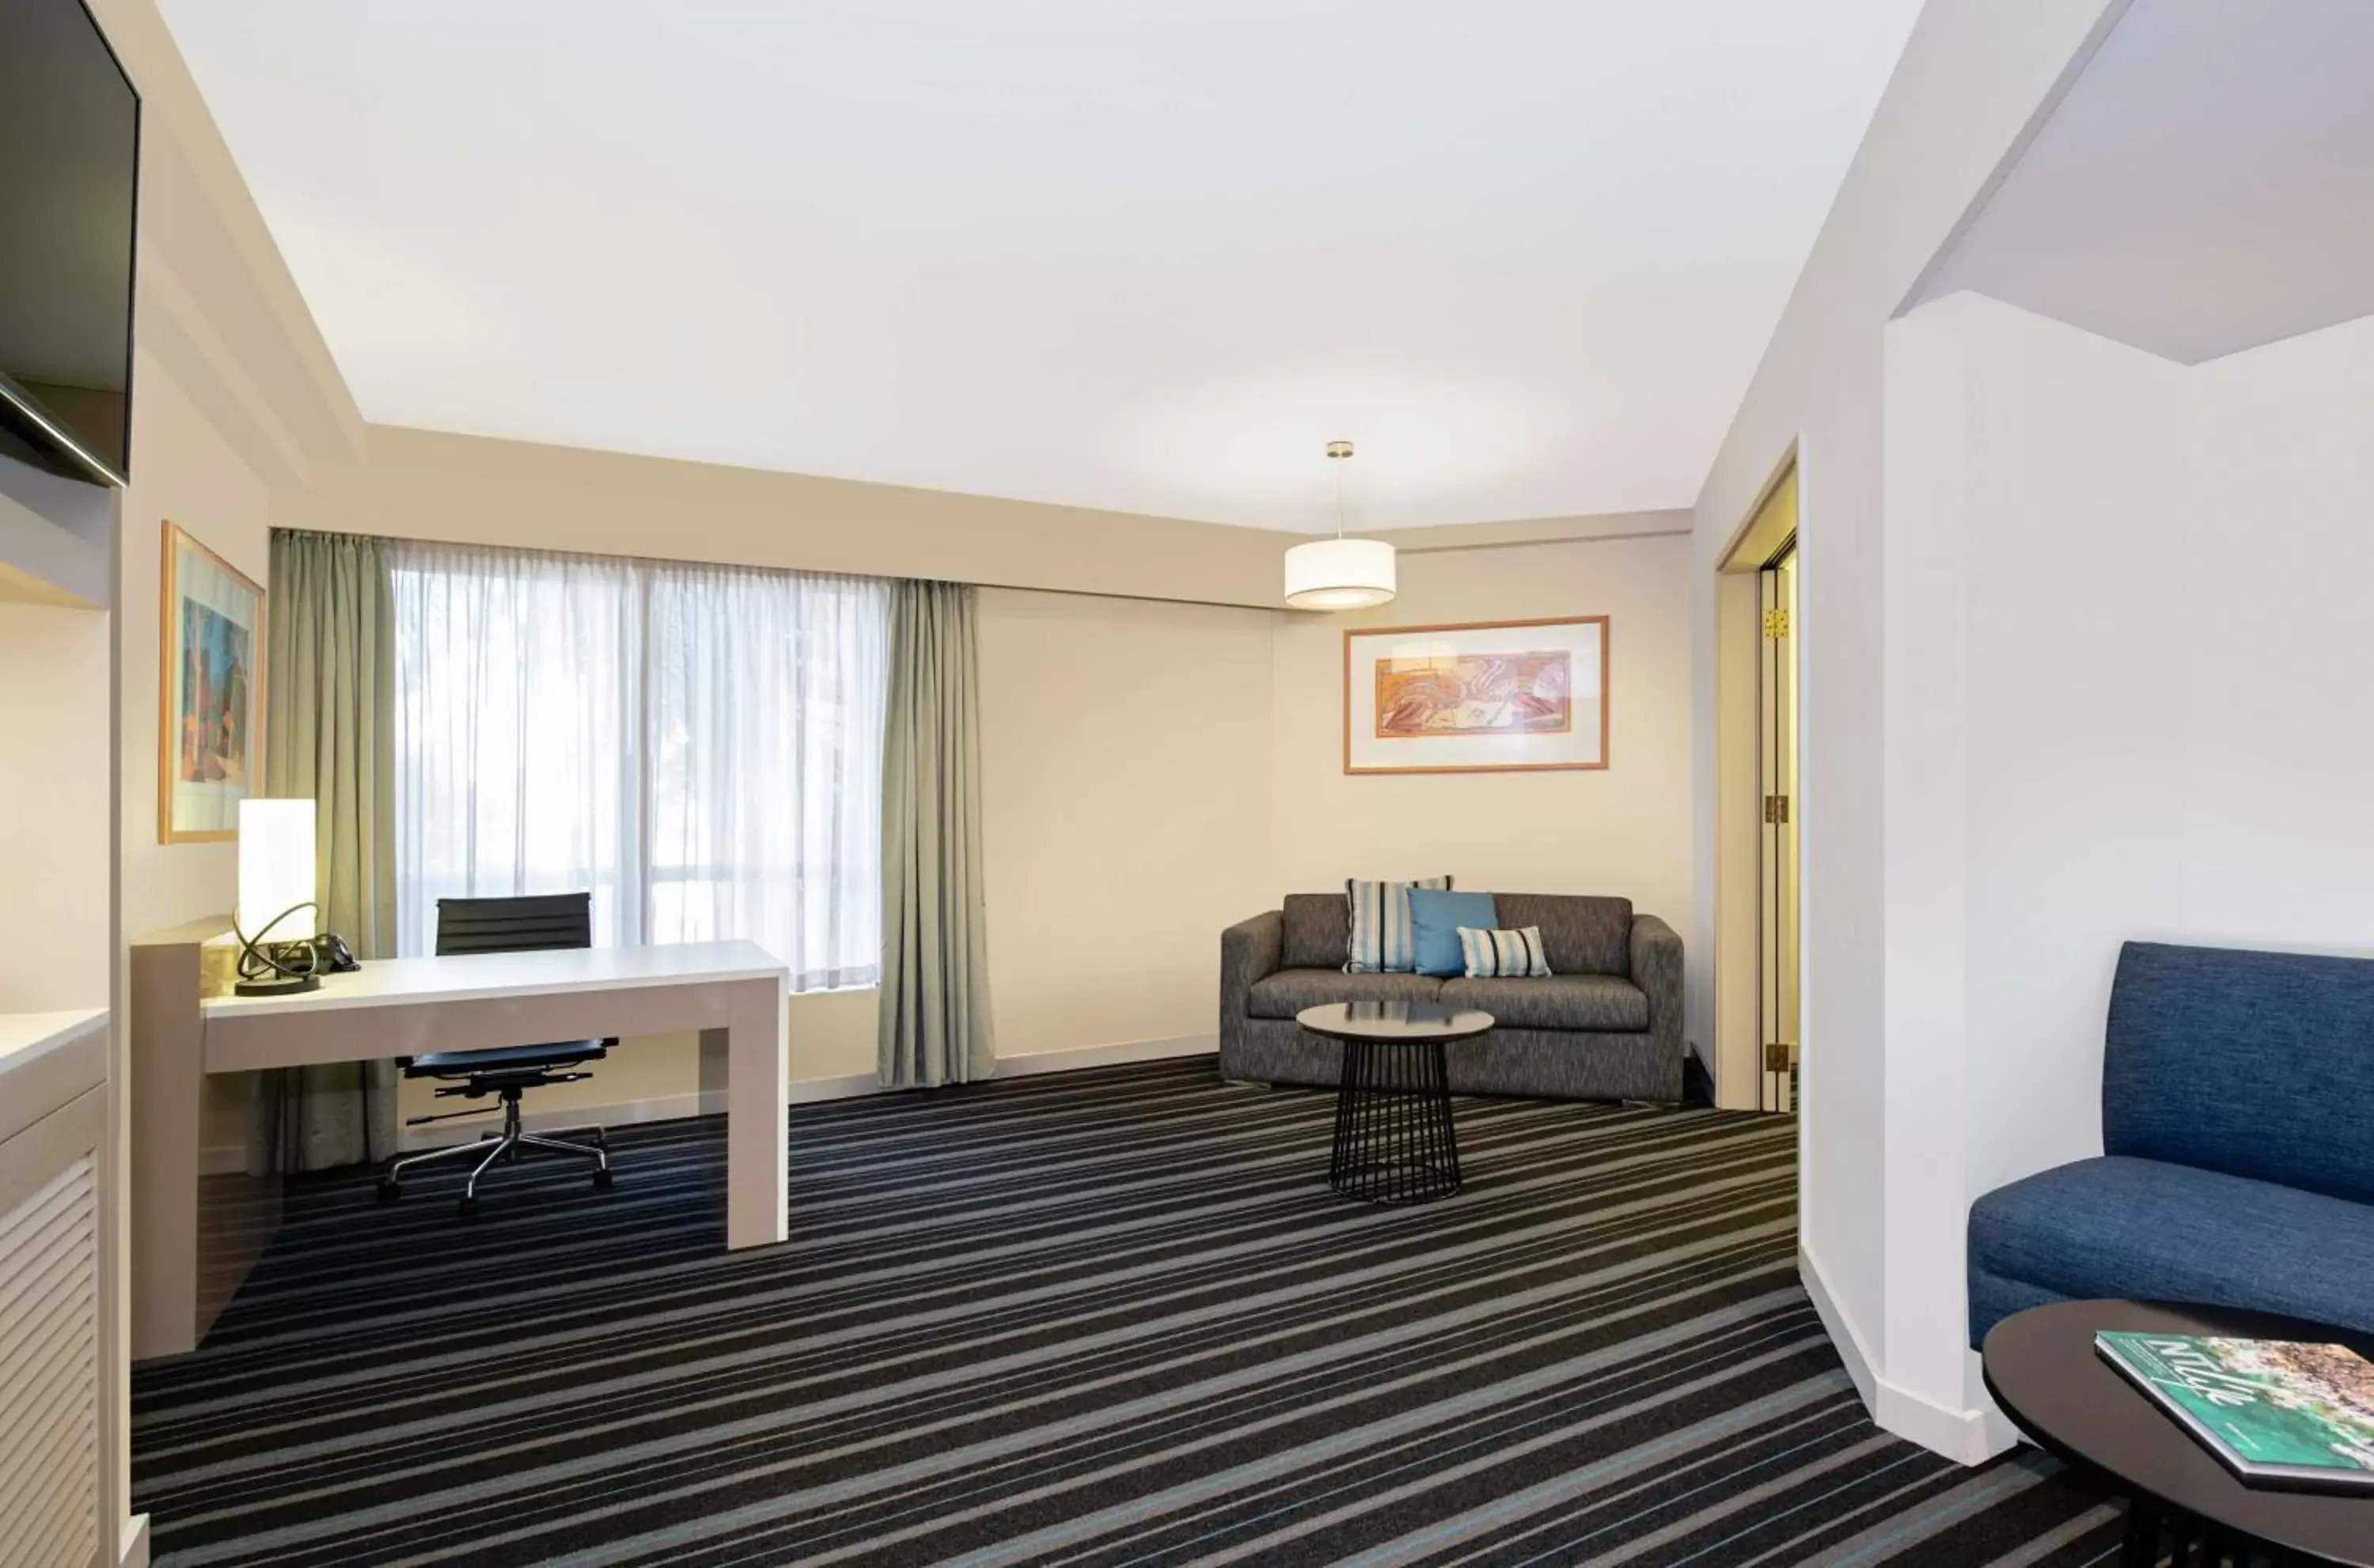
(1394, 1141)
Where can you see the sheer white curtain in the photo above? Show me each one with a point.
(765, 757)
(699, 745)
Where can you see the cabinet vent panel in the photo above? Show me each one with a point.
(49, 1373)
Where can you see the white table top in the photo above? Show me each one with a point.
(396, 981)
(26, 1034)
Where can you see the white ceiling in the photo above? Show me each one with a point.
(1141, 254)
(2205, 186)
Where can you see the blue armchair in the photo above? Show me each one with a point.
(2237, 1129)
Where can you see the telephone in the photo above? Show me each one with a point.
(333, 956)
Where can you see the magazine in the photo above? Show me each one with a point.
(2276, 1412)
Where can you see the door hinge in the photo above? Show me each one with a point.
(1776, 624)
(1776, 1057)
(1775, 808)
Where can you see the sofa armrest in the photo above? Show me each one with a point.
(1657, 970)
(1249, 950)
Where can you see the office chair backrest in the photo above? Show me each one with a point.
(515, 925)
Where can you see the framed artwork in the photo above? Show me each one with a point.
(210, 693)
(1484, 697)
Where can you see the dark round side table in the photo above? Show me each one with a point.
(2041, 1368)
(1394, 1141)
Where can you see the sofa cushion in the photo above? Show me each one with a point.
(2256, 1064)
(1383, 940)
(1436, 915)
(2142, 1230)
(1557, 1001)
(1288, 991)
(1318, 931)
(1580, 936)
(1489, 955)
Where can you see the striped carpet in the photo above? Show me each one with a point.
(1107, 1318)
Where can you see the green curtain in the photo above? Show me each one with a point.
(934, 1008)
(330, 735)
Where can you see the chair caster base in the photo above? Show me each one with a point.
(390, 1190)
(470, 1207)
(602, 1180)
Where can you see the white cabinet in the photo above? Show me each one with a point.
(52, 1390)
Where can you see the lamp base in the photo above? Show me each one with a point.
(290, 985)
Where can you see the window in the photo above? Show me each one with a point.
(700, 746)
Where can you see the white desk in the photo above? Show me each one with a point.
(732, 992)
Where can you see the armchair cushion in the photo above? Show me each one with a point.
(2145, 1230)
(2255, 1064)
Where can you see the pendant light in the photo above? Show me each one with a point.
(1339, 573)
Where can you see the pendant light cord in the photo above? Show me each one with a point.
(1339, 453)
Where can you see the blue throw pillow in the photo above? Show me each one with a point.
(1435, 918)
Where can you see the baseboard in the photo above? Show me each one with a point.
(1108, 1056)
(1968, 1437)
(1840, 1330)
(134, 1543)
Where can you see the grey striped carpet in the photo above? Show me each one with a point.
(1107, 1318)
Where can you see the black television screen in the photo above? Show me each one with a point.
(69, 158)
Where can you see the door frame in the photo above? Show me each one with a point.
(1738, 793)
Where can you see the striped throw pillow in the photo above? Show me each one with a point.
(1503, 955)
(1383, 942)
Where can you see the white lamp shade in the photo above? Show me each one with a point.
(1339, 574)
(276, 867)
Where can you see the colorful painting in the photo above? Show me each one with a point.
(1480, 697)
(210, 692)
(1478, 694)
(216, 680)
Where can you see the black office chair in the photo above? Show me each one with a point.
(506, 925)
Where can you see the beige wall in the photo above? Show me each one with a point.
(1124, 753)
(1622, 831)
(463, 489)
(54, 824)
(184, 471)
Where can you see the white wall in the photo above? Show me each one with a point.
(2126, 699)
(2035, 712)
(1623, 831)
(1973, 74)
(2278, 845)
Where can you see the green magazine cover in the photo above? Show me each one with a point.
(2274, 1411)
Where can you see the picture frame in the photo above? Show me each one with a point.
(1477, 696)
(210, 676)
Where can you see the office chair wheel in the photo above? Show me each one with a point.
(469, 1207)
(602, 1180)
(390, 1189)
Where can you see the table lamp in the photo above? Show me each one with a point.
(275, 914)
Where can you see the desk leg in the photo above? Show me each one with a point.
(758, 1092)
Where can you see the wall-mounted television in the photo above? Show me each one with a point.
(69, 175)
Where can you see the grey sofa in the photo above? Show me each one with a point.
(1605, 1025)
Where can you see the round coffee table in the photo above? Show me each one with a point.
(2041, 1368)
(1394, 1142)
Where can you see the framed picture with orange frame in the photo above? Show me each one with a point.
(1478, 696)
(210, 693)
